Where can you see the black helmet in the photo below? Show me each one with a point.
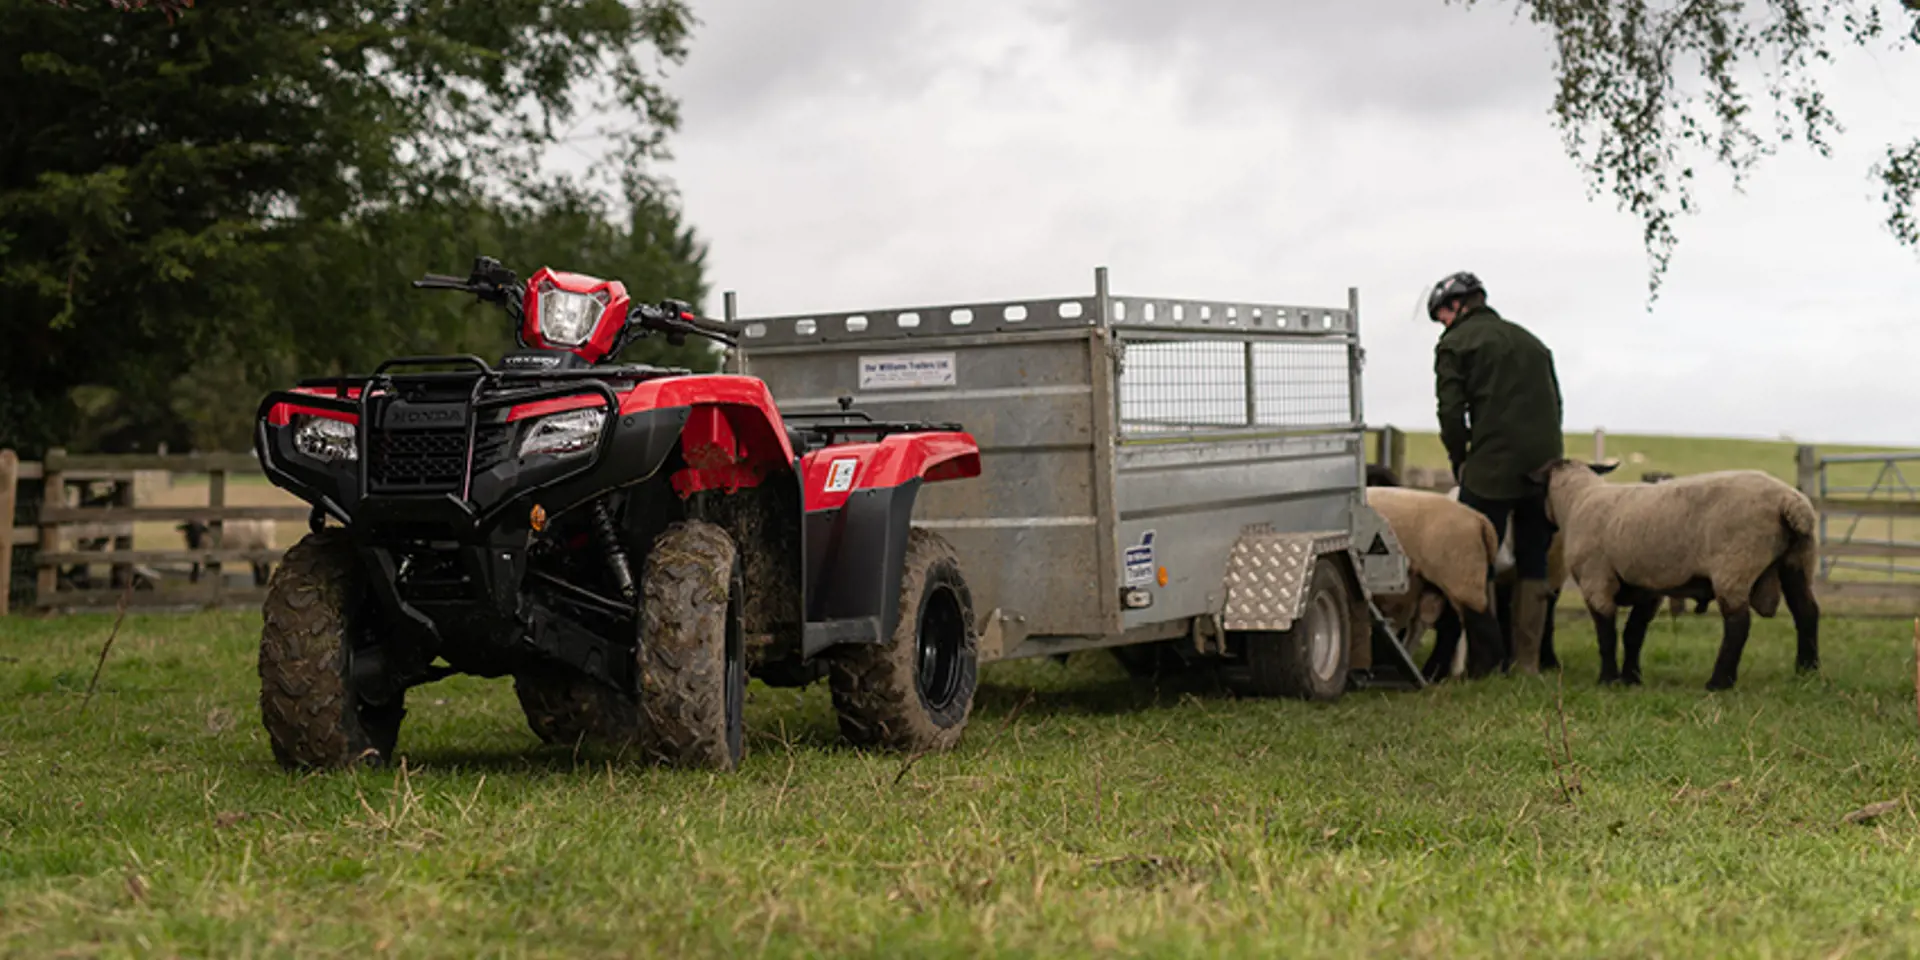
(1455, 285)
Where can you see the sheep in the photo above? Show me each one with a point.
(1675, 605)
(235, 535)
(1741, 537)
(1449, 550)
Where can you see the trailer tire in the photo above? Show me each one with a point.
(692, 656)
(1308, 661)
(314, 608)
(567, 710)
(914, 691)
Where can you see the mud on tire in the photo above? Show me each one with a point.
(566, 710)
(914, 691)
(316, 602)
(692, 659)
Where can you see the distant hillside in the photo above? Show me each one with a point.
(1676, 455)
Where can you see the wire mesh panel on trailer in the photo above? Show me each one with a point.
(1204, 365)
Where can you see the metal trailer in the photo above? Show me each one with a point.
(1153, 470)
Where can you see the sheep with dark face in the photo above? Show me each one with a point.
(235, 535)
(1740, 537)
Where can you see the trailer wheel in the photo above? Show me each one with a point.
(1309, 660)
(693, 657)
(914, 691)
(566, 710)
(316, 604)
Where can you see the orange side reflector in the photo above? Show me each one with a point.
(1163, 576)
(538, 518)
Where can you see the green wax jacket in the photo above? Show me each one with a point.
(1500, 404)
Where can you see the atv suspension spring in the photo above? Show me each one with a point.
(616, 556)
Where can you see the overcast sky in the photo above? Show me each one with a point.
(849, 154)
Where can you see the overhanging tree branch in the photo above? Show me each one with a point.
(1625, 116)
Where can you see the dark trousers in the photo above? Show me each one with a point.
(1532, 532)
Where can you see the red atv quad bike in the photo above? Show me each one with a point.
(627, 542)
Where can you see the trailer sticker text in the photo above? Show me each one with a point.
(1139, 559)
(840, 475)
(902, 370)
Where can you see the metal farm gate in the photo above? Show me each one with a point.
(1869, 528)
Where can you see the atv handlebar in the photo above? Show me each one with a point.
(492, 281)
(676, 319)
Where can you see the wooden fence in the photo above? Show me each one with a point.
(1869, 528)
(81, 526)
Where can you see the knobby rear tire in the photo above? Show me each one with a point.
(880, 691)
(315, 608)
(570, 710)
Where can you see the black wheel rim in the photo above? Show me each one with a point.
(942, 633)
(736, 667)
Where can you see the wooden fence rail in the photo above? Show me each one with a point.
(78, 528)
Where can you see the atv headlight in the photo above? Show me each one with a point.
(566, 319)
(325, 438)
(564, 433)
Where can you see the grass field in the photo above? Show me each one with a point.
(1083, 815)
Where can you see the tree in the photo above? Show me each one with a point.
(166, 187)
(1644, 83)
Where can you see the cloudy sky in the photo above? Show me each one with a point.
(849, 154)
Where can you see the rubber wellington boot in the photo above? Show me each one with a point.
(1529, 624)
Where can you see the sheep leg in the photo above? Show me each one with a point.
(1638, 620)
(1806, 618)
(1487, 650)
(1503, 606)
(1736, 621)
(1547, 659)
(1446, 639)
(1604, 632)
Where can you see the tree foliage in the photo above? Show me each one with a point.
(1644, 84)
(236, 193)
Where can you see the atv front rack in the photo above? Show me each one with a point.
(287, 467)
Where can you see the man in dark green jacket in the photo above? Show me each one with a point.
(1500, 419)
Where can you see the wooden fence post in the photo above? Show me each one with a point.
(123, 496)
(9, 480)
(216, 532)
(1599, 444)
(53, 497)
(1397, 452)
(1807, 471)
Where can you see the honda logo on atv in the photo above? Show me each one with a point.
(440, 416)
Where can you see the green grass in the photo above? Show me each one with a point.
(1083, 814)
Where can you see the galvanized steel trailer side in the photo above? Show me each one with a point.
(1217, 444)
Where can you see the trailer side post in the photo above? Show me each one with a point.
(1356, 358)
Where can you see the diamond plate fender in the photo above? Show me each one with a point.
(1267, 576)
(1383, 565)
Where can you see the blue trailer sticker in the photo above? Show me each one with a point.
(1139, 558)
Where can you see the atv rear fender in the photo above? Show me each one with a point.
(859, 507)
